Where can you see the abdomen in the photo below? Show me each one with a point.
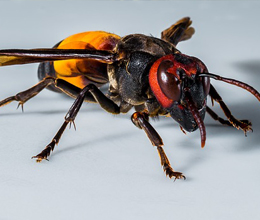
(81, 72)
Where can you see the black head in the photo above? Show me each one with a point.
(181, 85)
(176, 84)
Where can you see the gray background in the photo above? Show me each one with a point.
(108, 168)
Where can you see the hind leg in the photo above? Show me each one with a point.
(62, 85)
(24, 96)
(90, 93)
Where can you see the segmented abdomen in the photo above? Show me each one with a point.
(81, 72)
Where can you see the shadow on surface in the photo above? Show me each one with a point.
(251, 67)
(103, 139)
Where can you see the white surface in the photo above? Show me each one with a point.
(108, 168)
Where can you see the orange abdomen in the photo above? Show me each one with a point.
(80, 72)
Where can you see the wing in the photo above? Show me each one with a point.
(79, 59)
(179, 31)
(19, 56)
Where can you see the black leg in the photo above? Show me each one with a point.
(72, 91)
(244, 125)
(62, 85)
(50, 147)
(221, 120)
(104, 102)
(140, 120)
(24, 96)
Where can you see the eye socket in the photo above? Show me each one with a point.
(206, 84)
(168, 83)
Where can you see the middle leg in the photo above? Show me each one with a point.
(100, 98)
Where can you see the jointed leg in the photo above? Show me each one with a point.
(245, 125)
(104, 102)
(66, 87)
(50, 147)
(221, 120)
(90, 94)
(140, 120)
(24, 96)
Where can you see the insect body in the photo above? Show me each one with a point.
(143, 72)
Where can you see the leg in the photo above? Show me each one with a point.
(245, 125)
(24, 96)
(64, 86)
(140, 120)
(104, 102)
(221, 120)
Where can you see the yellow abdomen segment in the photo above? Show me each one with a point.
(81, 72)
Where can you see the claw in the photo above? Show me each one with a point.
(244, 125)
(20, 104)
(171, 173)
(45, 153)
(247, 127)
(39, 158)
(178, 175)
(74, 125)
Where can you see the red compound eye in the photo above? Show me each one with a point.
(168, 82)
(163, 81)
(206, 84)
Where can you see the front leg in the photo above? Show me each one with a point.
(221, 120)
(140, 120)
(244, 125)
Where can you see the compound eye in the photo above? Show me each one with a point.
(206, 84)
(169, 83)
